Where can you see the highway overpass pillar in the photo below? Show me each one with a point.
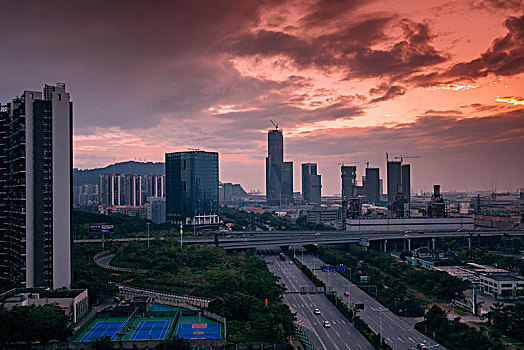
(469, 243)
(433, 243)
(385, 245)
(409, 244)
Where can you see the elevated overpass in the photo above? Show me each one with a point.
(259, 239)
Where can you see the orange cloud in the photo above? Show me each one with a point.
(453, 87)
(512, 100)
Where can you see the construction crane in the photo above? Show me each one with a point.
(194, 150)
(352, 163)
(402, 157)
(275, 125)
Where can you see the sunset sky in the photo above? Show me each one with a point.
(347, 81)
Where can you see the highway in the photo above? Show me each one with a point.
(258, 239)
(398, 334)
(341, 334)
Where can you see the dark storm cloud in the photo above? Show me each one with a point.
(326, 11)
(452, 149)
(505, 57)
(514, 5)
(350, 49)
(124, 60)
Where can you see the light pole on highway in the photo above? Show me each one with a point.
(148, 234)
(381, 336)
(181, 231)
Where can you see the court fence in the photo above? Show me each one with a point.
(164, 298)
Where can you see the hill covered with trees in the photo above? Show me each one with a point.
(90, 176)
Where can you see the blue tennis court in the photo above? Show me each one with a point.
(103, 328)
(199, 331)
(151, 330)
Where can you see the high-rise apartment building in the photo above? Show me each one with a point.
(155, 186)
(372, 186)
(120, 190)
(35, 189)
(86, 194)
(112, 189)
(192, 188)
(133, 190)
(279, 174)
(311, 184)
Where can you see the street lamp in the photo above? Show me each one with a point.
(381, 336)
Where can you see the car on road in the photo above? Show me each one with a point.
(422, 346)
(290, 262)
(346, 294)
(327, 324)
(317, 312)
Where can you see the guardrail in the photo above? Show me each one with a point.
(114, 268)
(304, 338)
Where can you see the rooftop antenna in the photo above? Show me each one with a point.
(275, 125)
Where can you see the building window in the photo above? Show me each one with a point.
(184, 185)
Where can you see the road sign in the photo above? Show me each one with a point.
(336, 268)
(364, 279)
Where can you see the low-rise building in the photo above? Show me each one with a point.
(156, 209)
(323, 216)
(426, 263)
(74, 302)
(502, 286)
(138, 211)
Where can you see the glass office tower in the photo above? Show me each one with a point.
(192, 187)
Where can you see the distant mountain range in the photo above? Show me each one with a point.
(91, 176)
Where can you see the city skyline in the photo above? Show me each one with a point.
(346, 81)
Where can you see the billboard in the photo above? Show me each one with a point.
(104, 228)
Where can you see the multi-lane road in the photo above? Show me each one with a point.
(341, 334)
(397, 332)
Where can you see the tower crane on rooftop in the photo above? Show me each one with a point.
(353, 163)
(275, 125)
(402, 157)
